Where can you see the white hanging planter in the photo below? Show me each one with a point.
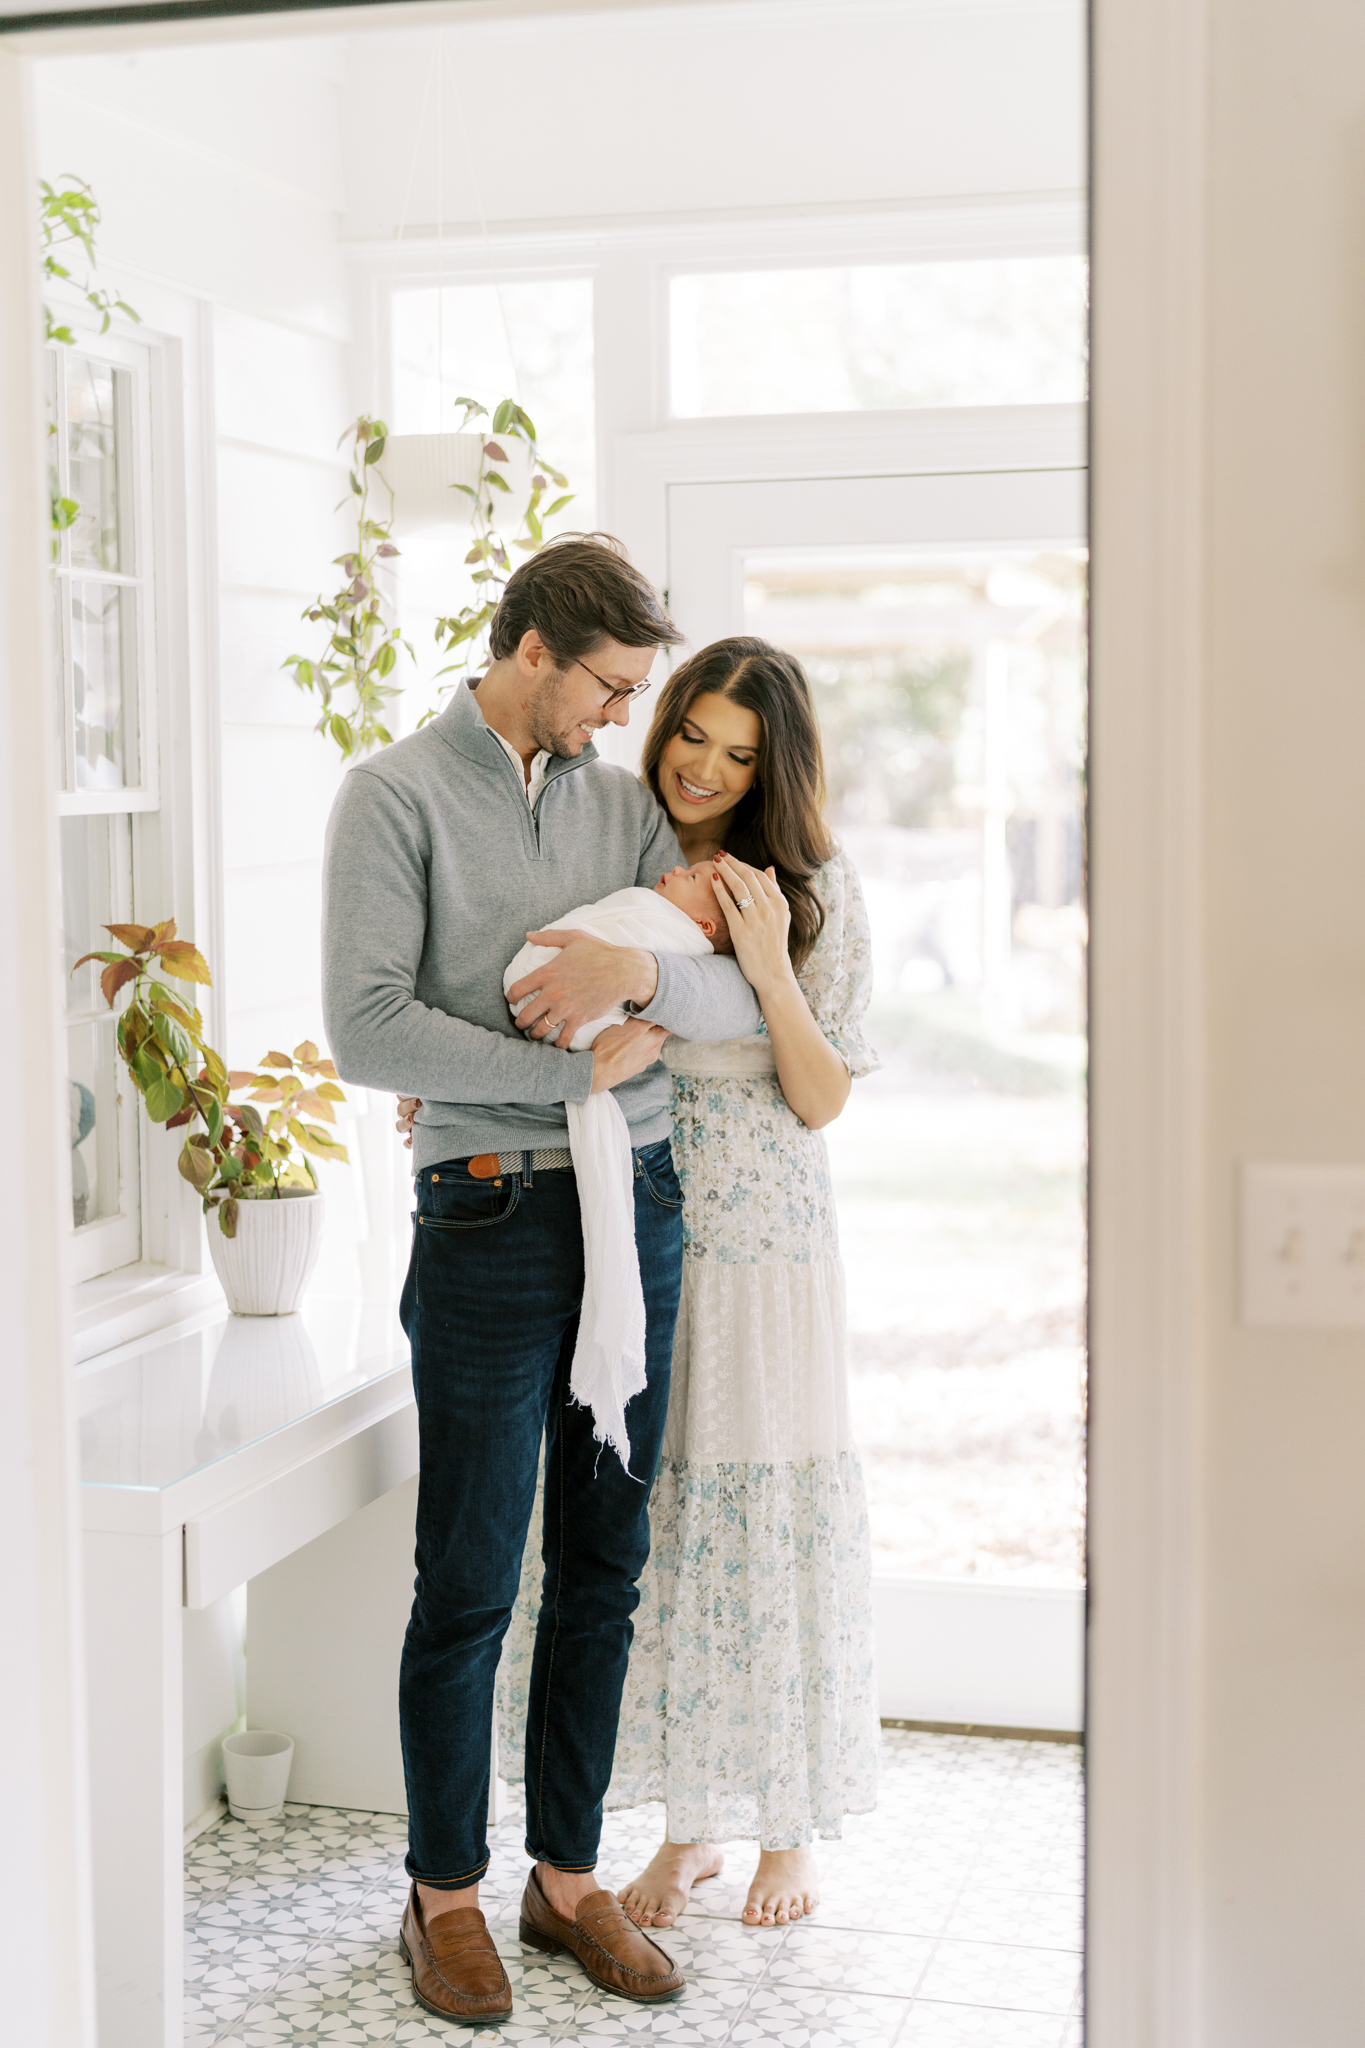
(421, 470)
(266, 1266)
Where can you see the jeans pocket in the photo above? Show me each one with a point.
(661, 1179)
(475, 1204)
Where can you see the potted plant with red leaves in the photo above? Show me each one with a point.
(268, 1240)
(244, 1165)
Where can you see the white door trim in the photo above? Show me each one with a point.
(46, 1937)
(964, 439)
(1148, 1257)
(1149, 411)
(713, 527)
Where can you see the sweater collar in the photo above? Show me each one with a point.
(463, 726)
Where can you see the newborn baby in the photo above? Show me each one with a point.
(680, 914)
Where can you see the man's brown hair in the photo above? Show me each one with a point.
(579, 591)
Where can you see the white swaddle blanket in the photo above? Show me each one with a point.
(609, 1358)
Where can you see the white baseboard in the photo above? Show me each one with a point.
(209, 1818)
(961, 1650)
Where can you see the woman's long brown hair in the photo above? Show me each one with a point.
(779, 821)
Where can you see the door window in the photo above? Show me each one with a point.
(950, 689)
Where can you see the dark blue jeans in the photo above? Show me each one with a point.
(490, 1308)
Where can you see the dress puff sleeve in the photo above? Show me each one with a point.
(836, 979)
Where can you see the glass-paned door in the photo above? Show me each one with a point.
(99, 411)
(941, 621)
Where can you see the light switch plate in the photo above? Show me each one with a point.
(1303, 1246)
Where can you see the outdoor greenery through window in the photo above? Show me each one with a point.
(102, 602)
(995, 331)
(950, 688)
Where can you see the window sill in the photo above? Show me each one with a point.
(133, 1302)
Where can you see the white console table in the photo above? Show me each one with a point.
(226, 1449)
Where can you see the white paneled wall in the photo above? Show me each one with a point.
(218, 168)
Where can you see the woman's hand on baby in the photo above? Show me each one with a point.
(408, 1106)
(758, 927)
(624, 1050)
(586, 979)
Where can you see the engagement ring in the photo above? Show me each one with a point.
(745, 902)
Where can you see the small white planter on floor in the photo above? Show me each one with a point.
(266, 1266)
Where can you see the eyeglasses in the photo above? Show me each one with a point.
(615, 696)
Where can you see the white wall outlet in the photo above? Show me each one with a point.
(1303, 1246)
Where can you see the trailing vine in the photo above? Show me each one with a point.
(362, 651)
(488, 556)
(66, 215)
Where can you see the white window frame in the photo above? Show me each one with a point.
(110, 1243)
(632, 263)
(167, 1275)
(134, 356)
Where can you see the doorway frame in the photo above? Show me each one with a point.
(777, 446)
(951, 1650)
(1149, 1254)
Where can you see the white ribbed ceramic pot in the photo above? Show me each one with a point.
(256, 1766)
(266, 1266)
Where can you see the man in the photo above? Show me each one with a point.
(443, 853)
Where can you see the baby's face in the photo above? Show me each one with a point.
(693, 891)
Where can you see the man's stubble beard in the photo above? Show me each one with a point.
(546, 712)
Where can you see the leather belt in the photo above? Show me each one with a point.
(543, 1159)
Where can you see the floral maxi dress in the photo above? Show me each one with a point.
(750, 1703)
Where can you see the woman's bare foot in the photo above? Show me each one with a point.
(658, 1896)
(786, 1887)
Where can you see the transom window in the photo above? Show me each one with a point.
(882, 336)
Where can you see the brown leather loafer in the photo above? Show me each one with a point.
(456, 1971)
(611, 1948)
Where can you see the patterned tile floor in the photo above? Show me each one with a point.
(950, 1919)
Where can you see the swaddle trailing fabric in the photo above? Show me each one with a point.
(609, 1357)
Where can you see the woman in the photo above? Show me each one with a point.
(750, 1703)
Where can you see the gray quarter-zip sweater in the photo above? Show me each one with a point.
(436, 867)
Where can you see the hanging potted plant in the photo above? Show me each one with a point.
(253, 1172)
(497, 527)
(468, 478)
